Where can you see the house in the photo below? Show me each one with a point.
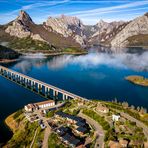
(62, 130)
(115, 117)
(44, 104)
(78, 124)
(30, 107)
(70, 118)
(123, 143)
(66, 138)
(74, 143)
(81, 130)
(102, 109)
(71, 140)
(36, 106)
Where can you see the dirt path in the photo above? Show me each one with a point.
(33, 138)
(46, 136)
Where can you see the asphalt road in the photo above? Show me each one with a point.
(98, 130)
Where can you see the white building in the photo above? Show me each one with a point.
(115, 117)
(45, 104)
(36, 106)
(30, 107)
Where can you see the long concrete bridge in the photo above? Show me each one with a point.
(36, 85)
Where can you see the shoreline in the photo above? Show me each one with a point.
(8, 122)
(3, 61)
(56, 53)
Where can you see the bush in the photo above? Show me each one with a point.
(50, 114)
(18, 113)
(28, 43)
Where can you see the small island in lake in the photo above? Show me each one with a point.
(138, 80)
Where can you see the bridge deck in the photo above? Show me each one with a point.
(43, 83)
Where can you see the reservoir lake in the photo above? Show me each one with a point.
(94, 76)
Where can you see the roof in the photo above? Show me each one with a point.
(63, 129)
(71, 139)
(75, 142)
(80, 123)
(30, 106)
(67, 137)
(45, 102)
(81, 129)
(64, 115)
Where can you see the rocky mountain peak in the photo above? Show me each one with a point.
(20, 26)
(24, 17)
(67, 26)
(102, 23)
(71, 20)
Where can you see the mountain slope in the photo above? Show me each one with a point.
(106, 31)
(24, 27)
(68, 26)
(137, 27)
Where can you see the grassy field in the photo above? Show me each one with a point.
(23, 130)
(139, 80)
(138, 40)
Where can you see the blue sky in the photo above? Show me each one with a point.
(89, 11)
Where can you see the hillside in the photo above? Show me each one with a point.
(134, 31)
(23, 28)
(7, 53)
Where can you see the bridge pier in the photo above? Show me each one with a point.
(55, 94)
(65, 97)
(33, 85)
(47, 91)
(39, 88)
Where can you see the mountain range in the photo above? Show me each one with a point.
(69, 31)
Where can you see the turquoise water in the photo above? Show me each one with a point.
(91, 76)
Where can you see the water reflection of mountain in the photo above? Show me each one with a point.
(26, 65)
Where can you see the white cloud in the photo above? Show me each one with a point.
(43, 4)
(92, 60)
(14, 13)
(99, 11)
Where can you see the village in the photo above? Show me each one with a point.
(81, 123)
